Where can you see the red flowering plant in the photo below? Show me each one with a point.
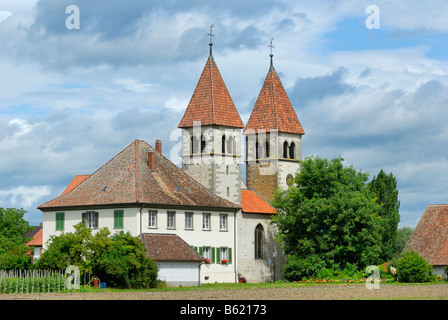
(207, 260)
(224, 261)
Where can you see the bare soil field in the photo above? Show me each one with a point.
(319, 292)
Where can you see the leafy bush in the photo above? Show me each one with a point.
(119, 260)
(325, 273)
(124, 263)
(412, 267)
(297, 268)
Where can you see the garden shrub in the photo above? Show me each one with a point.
(412, 267)
(297, 268)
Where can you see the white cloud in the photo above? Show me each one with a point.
(4, 15)
(134, 85)
(23, 196)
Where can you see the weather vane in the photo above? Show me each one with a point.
(211, 34)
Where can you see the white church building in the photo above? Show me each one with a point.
(201, 223)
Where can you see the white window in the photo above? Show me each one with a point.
(206, 221)
(206, 253)
(90, 219)
(223, 222)
(223, 254)
(152, 218)
(171, 221)
(189, 220)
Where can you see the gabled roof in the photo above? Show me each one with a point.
(273, 109)
(430, 237)
(253, 203)
(128, 179)
(75, 182)
(211, 103)
(169, 247)
(36, 240)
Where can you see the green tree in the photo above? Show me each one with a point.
(386, 194)
(71, 248)
(119, 259)
(403, 235)
(12, 239)
(330, 215)
(122, 260)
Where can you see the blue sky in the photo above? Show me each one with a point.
(71, 99)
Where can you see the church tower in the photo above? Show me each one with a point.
(273, 139)
(211, 135)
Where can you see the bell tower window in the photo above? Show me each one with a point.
(202, 144)
(285, 149)
(291, 150)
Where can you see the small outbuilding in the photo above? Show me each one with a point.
(430, 237)
(178, 263)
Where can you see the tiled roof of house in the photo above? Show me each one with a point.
(273, 109)
(253, 203)
(211, 103)
(128, 179)
(169, 247)
(36, 240)
(75, 182)
(430, 237)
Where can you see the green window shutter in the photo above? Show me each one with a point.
(195, 249)
(96, 220)
(84, 218)
(59, 220)
(201, 250)
(229, 254)
(213, 254)
(118, 219)
(218, 255)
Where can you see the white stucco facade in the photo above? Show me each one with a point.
(198, 228)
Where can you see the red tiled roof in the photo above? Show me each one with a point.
(211, 102)
(430, 237)
(273, 109)
(128, 179)
(75, 182)
(253, 203)
(36, 240)
(169, 247)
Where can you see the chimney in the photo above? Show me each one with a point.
(159, 146)
(151, 160)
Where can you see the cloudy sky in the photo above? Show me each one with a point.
(71, 99)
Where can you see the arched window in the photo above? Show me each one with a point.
(194, 145)
(266, 148)
(223, 144)
(202, 144)
(285, 149)
(259, 240)
(291, 150)
(230, 145)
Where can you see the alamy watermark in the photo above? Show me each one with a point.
(73, 21)
(373, 20)
(73, 279)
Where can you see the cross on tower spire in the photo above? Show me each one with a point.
(211, 42)
(271, 55)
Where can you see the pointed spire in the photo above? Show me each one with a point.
(211, 102)
(273, 109)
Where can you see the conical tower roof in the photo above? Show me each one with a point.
(211, 103)
(273, 109)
